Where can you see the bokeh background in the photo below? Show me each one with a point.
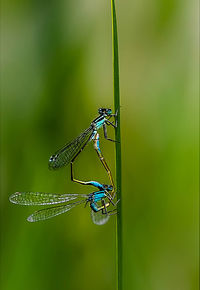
(56, 71)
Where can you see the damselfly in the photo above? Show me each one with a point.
(71, 150)
(99, 202)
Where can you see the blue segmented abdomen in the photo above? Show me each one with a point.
(96, 184)
(98, 144)
(93, 135)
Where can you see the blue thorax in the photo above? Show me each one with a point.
(99, 121)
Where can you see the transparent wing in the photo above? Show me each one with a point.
(99, 218)
(63, 156)
(42, 198)
(48, 213)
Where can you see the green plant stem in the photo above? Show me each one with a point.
(119, 254)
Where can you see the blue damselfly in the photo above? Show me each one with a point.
(99, 202)
(71, 150)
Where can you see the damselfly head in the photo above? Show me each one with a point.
(105, 111)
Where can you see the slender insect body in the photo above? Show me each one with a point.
(71, 150)
(41, 198)
(97, 185)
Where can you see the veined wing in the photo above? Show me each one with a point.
(63, 156)
(99, 218)
(42, 198)
(48, 213)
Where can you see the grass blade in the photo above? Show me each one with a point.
(119, 253)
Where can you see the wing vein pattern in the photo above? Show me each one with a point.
(64, 155)
(42, 198)
(48, 213)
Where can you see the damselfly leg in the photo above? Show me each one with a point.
(105, 165)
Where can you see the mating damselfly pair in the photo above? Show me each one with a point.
(99, 200)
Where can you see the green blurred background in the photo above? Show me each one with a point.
(56, 72)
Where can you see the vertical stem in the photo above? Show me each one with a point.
(118, 145)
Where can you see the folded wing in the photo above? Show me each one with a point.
(64, 155)
(42, 198)
(48, 213)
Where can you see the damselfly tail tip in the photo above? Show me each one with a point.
(51, 162)
(30, 219)
(13, 197)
